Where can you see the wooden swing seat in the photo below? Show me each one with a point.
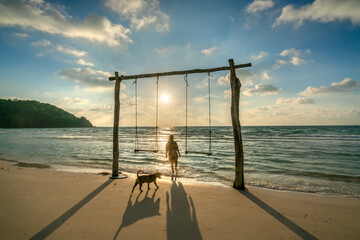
(145, 150)
(207, 153)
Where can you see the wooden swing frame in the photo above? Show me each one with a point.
(235, 101)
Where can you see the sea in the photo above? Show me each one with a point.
(311, 159)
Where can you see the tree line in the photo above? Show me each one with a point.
(33, 114)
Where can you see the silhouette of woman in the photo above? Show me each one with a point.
(172, 150)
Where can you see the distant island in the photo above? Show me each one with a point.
(33, 114)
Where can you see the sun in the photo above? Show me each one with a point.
(165, 98)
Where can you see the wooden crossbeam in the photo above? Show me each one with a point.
(207, 70)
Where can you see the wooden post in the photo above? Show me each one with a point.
(115, 166)
(239, 152)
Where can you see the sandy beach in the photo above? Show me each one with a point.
(44, 203)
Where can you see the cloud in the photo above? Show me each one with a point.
(163, 50)
(67, 100)
(84, 63)
(293, 56)
(39, 55)
(42, 43)
(71, 51)
(295, 101)
(260, 56)
(209, 51)
(262, 89)
(265, 76)
(45, 17)
(224, 80)
(261, 109)
(102, 108)
(87, 76)
(204, 98)
(290, 52)
(346, 85)
(21, 35)
(246, 77)
(141, 13)
(259, 6)
(322, 11)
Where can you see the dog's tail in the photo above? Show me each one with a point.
(139, 172)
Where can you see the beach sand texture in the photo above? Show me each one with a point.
(43, 203)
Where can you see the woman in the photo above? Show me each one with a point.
(173, 150)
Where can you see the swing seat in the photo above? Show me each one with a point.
(145, 150)
(207, 153)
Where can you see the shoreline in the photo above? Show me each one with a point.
(95, 170)
(64, 205)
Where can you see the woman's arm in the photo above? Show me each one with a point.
(166, 149)
(177, 149)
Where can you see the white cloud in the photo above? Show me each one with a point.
(260, 55)
(141, 13)
(87, 76)
(293, 56)
(209, 51)
(21, 35)
(262, 89)
(296, 61)
(227, 93)
(71, 51)
(295, 101)
(67, 100)
(39, 55)
(42, 43)
(246, 77)
(163, 50)
(322, 11)
(45, 17)
(224, 80)
(259, 6)
(265, 76)
(346, 85)
(232, 19)
(102, 108)
(261, 109)
(290, 52)
(84, 63)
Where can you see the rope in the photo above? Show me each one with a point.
(186, 121)
(157, 112)
(209, 112)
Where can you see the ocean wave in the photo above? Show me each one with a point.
(72, 137)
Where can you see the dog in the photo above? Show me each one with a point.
(146, 179)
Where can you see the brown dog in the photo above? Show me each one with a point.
(146, 179)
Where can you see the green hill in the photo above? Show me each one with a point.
(33, 114)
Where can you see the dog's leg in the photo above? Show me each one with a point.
(136, 183)
(156, 184)
(140, 185)
(148, 185)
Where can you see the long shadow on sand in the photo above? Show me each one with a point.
(278, 216)
(181, 215)
(45, 232)
(145, 208)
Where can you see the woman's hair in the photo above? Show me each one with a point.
(171, 138)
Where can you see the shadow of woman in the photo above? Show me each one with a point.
(145, 208)
(181, 221)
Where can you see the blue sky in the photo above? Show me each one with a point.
(305, 57)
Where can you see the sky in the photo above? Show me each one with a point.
(304, 54)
